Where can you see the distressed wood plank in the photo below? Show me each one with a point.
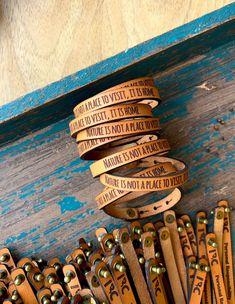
(52, 34)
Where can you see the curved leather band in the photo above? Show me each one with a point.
(117, 129)
(137, 152)
(148, 184)
(116, 96)
(127, 127)
(109, 114)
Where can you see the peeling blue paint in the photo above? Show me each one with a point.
(70, 203)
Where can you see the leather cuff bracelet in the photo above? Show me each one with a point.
(117, 129)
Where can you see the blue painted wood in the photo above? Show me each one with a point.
(54, 102)
(47, 193)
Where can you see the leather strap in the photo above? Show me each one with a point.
(171, 266)
(198, 283)
(227, 254)
(127, 127)
(185, 244)
(107, 283)
(148, 184)
(44, 294)
(118, 271)
(201, 231)
(155, 284)
(116, 96)
(216, 271)
(171, 224)
(218, 230)
(137, 152)
(109, 114)
(23, 288)
(95, 286)
(190, 231)
(5, 274)
(74, 284)
(110, 195)
(190, 267)
(134, 266)
(148, 245)
(6, 258)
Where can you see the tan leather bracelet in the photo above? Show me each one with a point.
(95, 148)
(116, 127)
(109, 114)
(148, 184)
(131, 213)
(116, 96)
(127, 127)
(137, 152)
(110, 195)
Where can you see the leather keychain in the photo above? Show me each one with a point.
(191, 269)
(71, 279)
(201, 230)
(6, 258)
(107, 242)
(135, 232)
(50, 276)
(134, 266)
(86, 297)
(36, 278)
(184, 239)
(23, 287)
(5, 276)
(26, 264)
(148, 245)
(171, 266)
(14, 295)
(218, 230)
(44, 296)
(159, 258)
(118, 270)
(154, 281)
(57, 292)
(95, 286)
(170, 222)
(216, 271)
(190, 231)
(199, 281)
(107, 283)
(78, 256)
(227, 253)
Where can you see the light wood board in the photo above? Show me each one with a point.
(43, 41)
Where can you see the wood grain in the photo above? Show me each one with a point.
(43, 41)
(47, 192)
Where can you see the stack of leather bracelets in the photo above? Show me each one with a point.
(173, 260)
(116, 128)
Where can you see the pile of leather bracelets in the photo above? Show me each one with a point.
(175, 260)
(117, 129)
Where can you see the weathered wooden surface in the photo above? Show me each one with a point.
(56, 38)
(47, 193)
